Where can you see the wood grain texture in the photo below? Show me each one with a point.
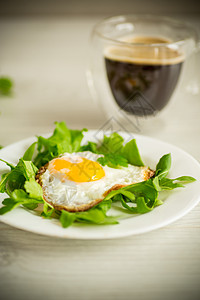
(50, 84)
(163, 264)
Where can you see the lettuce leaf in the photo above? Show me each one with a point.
(21, 187)
(114, 151)
(62, 140)
(95, 215)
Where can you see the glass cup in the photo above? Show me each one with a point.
(136, 63)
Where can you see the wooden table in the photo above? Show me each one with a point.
(47, 58)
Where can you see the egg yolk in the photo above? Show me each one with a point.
(78, 169)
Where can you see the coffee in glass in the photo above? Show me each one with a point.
(140, 79)
(136, 63)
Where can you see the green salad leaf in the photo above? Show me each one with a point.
(113, 161)
(6, 85)
(15, 179)
(62, 140)
(163, 166)
(111, 144)
(143, 195)
(28, 155)
(131, 153)
(115, 153)
(22, 189)
(95, 215)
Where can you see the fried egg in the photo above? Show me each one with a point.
(77, 181)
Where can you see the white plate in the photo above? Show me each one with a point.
(177, 203)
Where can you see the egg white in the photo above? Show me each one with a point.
(72, 194)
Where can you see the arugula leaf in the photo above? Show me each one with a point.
(3, 181)
(143, 206)
(34, 189)
(170, 184)
(22, 197)
(129, 195)
(163, 166)
(47, 211)
(185, 179)
(162, 183)
(67, 218)
(16, 178)
(21, 186)
(143, 194)
(113, 161)
(144, 189)
(62, 140)
(132, 209)
(91, 146)
(112, 144)
(115, 154)
(76, 139)
(8, 164)
(28, 155)
(30, 206)
(26, 168)
(19, 197)
(131, 153)
(95, 215)
(9, 204)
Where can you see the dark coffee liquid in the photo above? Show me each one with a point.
(142, 87)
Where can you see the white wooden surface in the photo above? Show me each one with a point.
(47, 58)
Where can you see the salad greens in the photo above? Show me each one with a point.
(22, 189)
(62, 140)
(115, 153)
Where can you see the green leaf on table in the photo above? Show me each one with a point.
(6, 85)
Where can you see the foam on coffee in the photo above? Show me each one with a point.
(145, 50)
